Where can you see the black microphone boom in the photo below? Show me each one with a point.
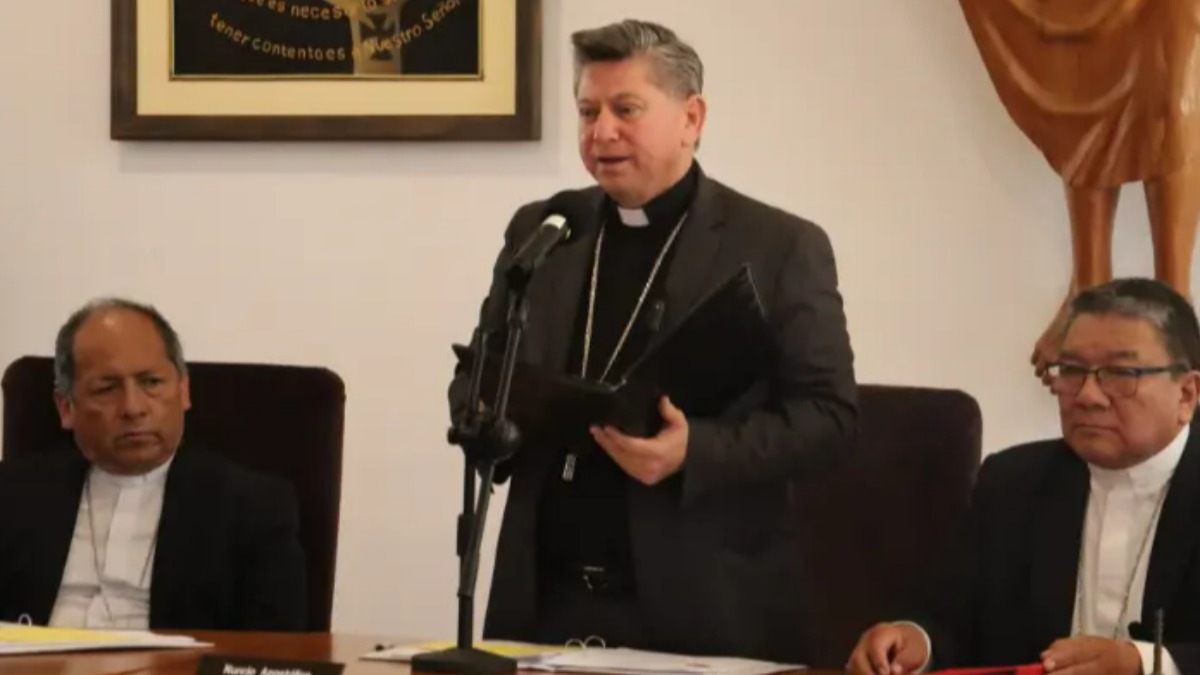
(531, 254)
(564, 215)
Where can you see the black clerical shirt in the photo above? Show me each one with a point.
(585, 521)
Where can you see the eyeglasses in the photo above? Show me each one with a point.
(1114, 381)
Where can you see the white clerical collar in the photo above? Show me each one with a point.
(155, 476)
(1152, 473)
(633, 217)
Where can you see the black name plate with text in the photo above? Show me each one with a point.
(222, 664)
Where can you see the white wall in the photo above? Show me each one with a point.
(872, 117)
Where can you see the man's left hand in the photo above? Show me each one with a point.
(1092, 656)
(649, 460)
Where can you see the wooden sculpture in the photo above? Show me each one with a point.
(1107, 91)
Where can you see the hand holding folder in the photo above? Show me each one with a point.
(714, 353)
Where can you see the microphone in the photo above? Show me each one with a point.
(1158, 642)
(564, 213)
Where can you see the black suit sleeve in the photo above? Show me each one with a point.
(1186, 656)
(810, 410)
(948, 607)
(272, 580)
(494, 315)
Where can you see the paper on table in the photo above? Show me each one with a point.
(522, 652)
(552, 658)
(25, 639)
(632, 661)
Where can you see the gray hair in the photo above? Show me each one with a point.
(64, 344)
(676, 65)
(1151, 301)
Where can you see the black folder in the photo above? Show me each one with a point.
(719, 349)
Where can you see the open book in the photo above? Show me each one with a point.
(719, 348)
(25, 639)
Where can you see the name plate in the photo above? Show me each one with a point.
(238, 665)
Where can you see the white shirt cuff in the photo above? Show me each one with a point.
(1146, 649)
(929, 648)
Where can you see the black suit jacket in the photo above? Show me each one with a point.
(715, 551)
(228, 555)
(1008, 589)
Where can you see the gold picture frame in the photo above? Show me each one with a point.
(153, 98)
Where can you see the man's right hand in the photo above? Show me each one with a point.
(889, 649)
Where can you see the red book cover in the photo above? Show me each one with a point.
(1030, 669)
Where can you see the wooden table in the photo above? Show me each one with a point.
(347, 649)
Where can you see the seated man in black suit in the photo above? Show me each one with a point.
(132, 528)
(1072, 545)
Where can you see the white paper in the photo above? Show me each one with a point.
(632, 661)
(548, 658)
(522, 652)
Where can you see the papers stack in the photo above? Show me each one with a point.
(549, 658)
(635, 662)
(25, 639)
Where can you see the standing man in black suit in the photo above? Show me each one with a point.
(132, 528)
(683, 541)
(1072, 545)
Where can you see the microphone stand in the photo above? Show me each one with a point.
(1158, 642)
(487, 438)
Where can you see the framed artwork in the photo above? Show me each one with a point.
(326, 70)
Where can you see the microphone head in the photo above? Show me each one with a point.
(557, 221)
(570, 209)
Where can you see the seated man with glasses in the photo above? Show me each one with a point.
(1073, 546)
